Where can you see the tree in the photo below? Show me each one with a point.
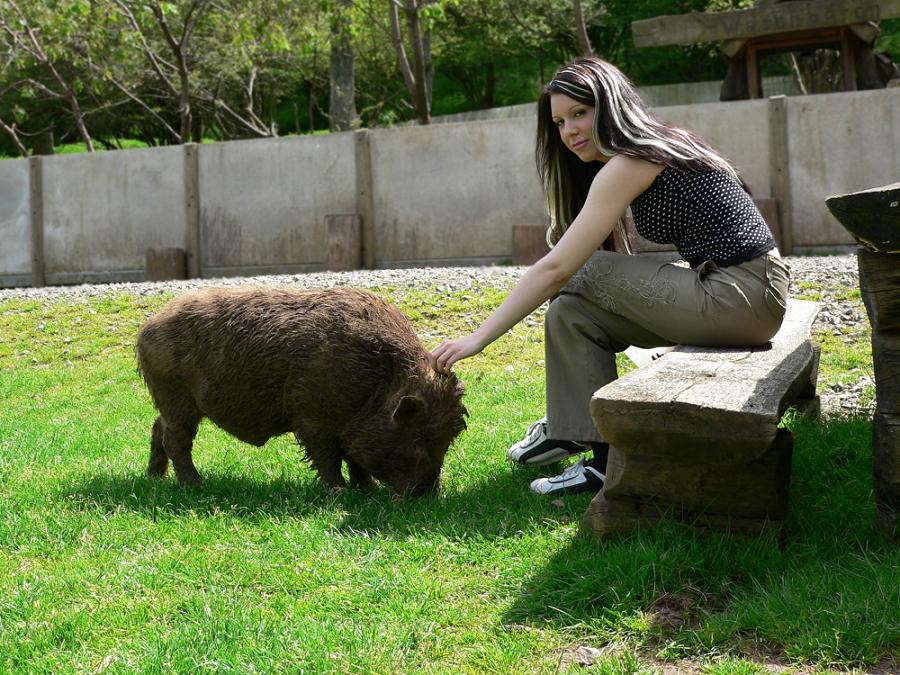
(414, 74)
(342, 101)
(25, 37)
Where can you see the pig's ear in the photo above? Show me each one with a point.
(460, 389)
(409, 409)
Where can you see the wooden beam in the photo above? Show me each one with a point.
(767, 20)
(36, 197)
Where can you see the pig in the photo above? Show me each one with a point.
(340, 368)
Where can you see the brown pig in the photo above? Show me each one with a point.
(340, 368)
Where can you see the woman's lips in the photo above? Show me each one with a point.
(580, 144)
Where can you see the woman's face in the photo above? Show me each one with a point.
(575, 121)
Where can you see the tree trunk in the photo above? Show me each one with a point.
(414, 76)
(584, 42)
(421, 101)
(489, 85)
(11, 132)
(342, 103)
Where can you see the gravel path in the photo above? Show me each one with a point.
(831, 276)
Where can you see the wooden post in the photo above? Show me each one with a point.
(529, 244)
(873, 218)
(754, 79)
(848, 61)
(780, 186)
(36, 197)
(343, 250)
(163, 264)
(193, 239)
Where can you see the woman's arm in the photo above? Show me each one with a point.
(613, 189)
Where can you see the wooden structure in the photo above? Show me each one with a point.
(529, 244)
(745, 35)
(695, 433)
(164, 264)
(343, 242)
(873, 218)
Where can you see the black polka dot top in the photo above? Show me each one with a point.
(706, 215)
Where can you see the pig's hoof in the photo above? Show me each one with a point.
(193, 482)
(157, 471)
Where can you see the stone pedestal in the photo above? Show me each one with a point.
(873, 218)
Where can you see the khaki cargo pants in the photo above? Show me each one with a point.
(616, 300)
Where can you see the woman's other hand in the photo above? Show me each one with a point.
(450, 351)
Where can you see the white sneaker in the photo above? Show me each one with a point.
(580, 477)
(536, 449)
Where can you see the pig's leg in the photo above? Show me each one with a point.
(177, 425)
(359, 477)
(178, 442)
(159, 460)
(324, 454)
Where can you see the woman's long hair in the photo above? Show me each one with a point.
(622, 125)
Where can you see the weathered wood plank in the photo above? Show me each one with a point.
(164, 264)
(767, 20)
(886, 460)
(529, 244)
(872, 216)
(694, 399)
(609, 516)
(754, 489)
(879, 282)
(343, 246)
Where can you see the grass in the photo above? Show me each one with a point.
(105, 570)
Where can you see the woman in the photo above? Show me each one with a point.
(599, 151)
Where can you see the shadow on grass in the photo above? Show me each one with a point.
(825, 592)
(500, 506)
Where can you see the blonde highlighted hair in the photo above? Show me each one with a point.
(622, 125)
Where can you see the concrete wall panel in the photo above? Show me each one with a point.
(103, 210)
(15, 223)
(452, 192)
(738, 129)
(263, 203)
(839, 143)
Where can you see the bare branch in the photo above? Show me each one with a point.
(11, 132)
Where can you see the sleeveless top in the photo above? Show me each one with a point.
(706, 215)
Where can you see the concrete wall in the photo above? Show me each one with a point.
(740, 130)
(839, 143)
(451, 193)
(263, 203)
(102, 211)
(15, 224)
(444, 194)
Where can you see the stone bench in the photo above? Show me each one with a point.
(695, 433)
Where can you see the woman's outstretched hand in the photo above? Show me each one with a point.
(449, 352)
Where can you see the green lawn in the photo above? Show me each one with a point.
(105, 570)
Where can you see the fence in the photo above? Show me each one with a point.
(437, 195)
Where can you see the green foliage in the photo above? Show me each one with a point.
(262, 66)
(262, 569)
